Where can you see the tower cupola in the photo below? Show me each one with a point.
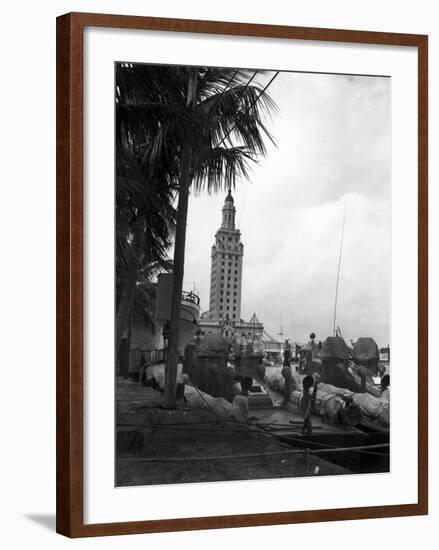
(229, 212)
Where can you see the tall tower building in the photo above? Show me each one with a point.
(226, 270)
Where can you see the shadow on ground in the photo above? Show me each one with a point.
(45, 520)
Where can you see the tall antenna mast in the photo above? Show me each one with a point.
(338, 271)
(281, 333)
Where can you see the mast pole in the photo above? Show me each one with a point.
(338, 269)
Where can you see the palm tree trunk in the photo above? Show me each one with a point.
(171, 363)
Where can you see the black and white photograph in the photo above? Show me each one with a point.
(252, 274)
(220, 214)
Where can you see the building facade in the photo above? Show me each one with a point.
(227, 255)
(226, 267)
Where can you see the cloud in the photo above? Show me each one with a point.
(333, 151)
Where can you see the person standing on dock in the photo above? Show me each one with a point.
(287, 354)
(307, 383)
(385, 387)
(308, 401)
(289, 382)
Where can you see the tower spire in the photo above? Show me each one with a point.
(229, 211)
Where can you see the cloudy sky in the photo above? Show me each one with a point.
(332, 152)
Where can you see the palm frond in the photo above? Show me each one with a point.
(219, 168)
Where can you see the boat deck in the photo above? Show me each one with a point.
(283, 421)
(360, 449)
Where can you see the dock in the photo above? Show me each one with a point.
(155, 445)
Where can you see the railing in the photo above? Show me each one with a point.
(190, 297)
(151, 356)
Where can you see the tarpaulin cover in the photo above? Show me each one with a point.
(158, 372)
(200, 400)
(334, 347)
(366, 349)
(374, 407)
(213, 345)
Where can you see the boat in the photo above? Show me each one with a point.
(342, 435)
(189, 313)
(360, 448)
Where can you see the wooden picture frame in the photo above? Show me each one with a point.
(70, 265)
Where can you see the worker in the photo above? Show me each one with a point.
(308, 400)
(260, 370)
(307, 384)
(240, 402)
(286, 373)
(385, 386)
(287, 354)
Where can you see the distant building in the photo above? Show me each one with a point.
(226, 267)
(272, 347)
(226, 283)
(385, 354)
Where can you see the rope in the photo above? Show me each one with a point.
(247, 455)
(250, 432)
(214, 457)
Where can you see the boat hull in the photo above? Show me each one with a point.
(189, 315)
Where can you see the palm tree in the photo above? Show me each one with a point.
(186, 128)
(145, 215)
(223, 108)
(144, 230)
